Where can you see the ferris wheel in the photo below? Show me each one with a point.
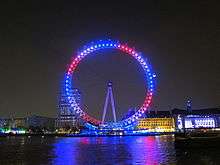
(102, 45)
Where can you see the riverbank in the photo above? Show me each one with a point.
(86, 135)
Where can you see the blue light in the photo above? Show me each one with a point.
(104, 44)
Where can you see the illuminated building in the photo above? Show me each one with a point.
(194, 119)
(66, 116)
(157, 124)
(2, 122)
(15, 122)
(19, 122)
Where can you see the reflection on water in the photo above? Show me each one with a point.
(114, 150)
(131, 150)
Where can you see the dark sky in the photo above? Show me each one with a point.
(37, 40)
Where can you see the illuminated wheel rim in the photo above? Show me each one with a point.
(109, 44)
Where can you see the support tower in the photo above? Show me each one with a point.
(109, 94)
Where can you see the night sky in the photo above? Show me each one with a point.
(37, 40)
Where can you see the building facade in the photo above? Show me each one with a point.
(2, 123)
(156, 124)
(42, 122)
(66, 117)
(196, 119)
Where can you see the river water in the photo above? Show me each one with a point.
(128, 150)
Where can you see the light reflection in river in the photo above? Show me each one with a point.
(128, 150)
(114, 150)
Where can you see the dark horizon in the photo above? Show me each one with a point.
(180, 39)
